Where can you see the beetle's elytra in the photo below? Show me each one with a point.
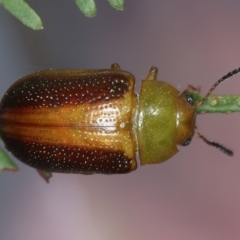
(91, 121)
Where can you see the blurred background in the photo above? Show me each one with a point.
(194, 195)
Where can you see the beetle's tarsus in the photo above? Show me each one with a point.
(152, 74)
(115, 66)
(45, 175)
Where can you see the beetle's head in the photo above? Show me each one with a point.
(186, 121)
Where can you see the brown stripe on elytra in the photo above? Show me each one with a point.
(69, 159)
(59, 88)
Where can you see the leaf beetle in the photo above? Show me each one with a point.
(92, 121)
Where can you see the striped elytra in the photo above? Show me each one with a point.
(91, 121)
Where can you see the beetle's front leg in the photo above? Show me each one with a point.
(115, 67)
(152, 74)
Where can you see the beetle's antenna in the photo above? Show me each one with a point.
(225, 77)
(216, 145)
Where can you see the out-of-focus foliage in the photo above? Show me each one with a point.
(23, 12)
(6, 163)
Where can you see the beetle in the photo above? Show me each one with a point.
(91, 121)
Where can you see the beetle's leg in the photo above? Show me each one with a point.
(115, 67)
(45, 175)
(152, 74)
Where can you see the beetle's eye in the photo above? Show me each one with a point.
(190, 99)
(187, 142)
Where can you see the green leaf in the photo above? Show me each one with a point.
(23, 12)
(117, 4)
(88, 7)
(6, 163)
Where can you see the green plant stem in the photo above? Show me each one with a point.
(216, 104)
